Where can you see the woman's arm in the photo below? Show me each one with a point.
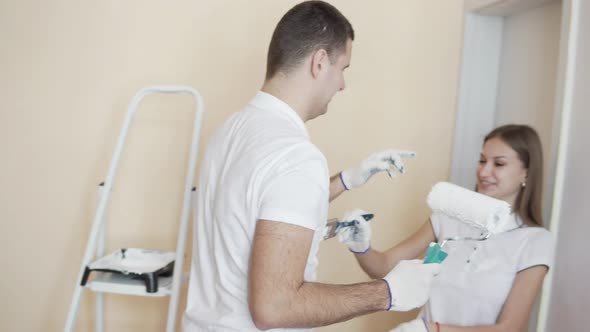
(336, 187)
(517, 308)
(377, 264)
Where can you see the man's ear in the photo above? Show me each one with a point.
(319, 62)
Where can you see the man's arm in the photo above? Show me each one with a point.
(278, 295)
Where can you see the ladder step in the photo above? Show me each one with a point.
(117, 283)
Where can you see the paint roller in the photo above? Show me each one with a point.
(486, 213)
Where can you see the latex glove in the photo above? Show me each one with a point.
(416, 325)
(409, 284)
(357, 237)
(388, 160)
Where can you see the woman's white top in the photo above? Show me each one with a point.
(477, 276)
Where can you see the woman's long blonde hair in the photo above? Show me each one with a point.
(525, 141)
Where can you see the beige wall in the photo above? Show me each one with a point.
(69, 68)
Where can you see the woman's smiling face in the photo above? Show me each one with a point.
(500, 173)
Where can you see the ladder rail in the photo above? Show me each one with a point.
(108, 184)
(99, 306)
(183, 228)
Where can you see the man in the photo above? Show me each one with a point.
(263, 197)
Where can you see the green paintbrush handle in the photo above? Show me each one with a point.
(434, 254)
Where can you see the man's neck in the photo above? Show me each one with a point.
(290, 92)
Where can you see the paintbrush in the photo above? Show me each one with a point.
(333, 226)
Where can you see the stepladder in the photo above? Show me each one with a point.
(136, 271)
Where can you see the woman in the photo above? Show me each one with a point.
(488, 285)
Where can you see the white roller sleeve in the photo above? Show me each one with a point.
(470, 207)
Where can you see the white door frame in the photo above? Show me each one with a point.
(482, 47)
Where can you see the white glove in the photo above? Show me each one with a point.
(409, 284)
(357, 237)
(416, 325)
(388, 160)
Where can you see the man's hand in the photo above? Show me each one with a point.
(357, 237)
(409, 284)
(388, 160)
(416, 325)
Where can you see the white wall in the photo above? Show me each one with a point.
(528, 69)
(570, 294)
(528, 76)
(509, 75)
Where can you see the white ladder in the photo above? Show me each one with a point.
(112, 283)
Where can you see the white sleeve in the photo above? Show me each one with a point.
(298, 194)
(435, 221)
(538, 249)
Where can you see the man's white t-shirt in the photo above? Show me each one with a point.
(477, 276)
(260, 164)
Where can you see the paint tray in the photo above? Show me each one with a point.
(135, 263)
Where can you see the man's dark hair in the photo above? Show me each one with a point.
(305, 28)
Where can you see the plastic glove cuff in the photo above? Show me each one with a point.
(390, 295)
(342, 180)
(360, 252)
